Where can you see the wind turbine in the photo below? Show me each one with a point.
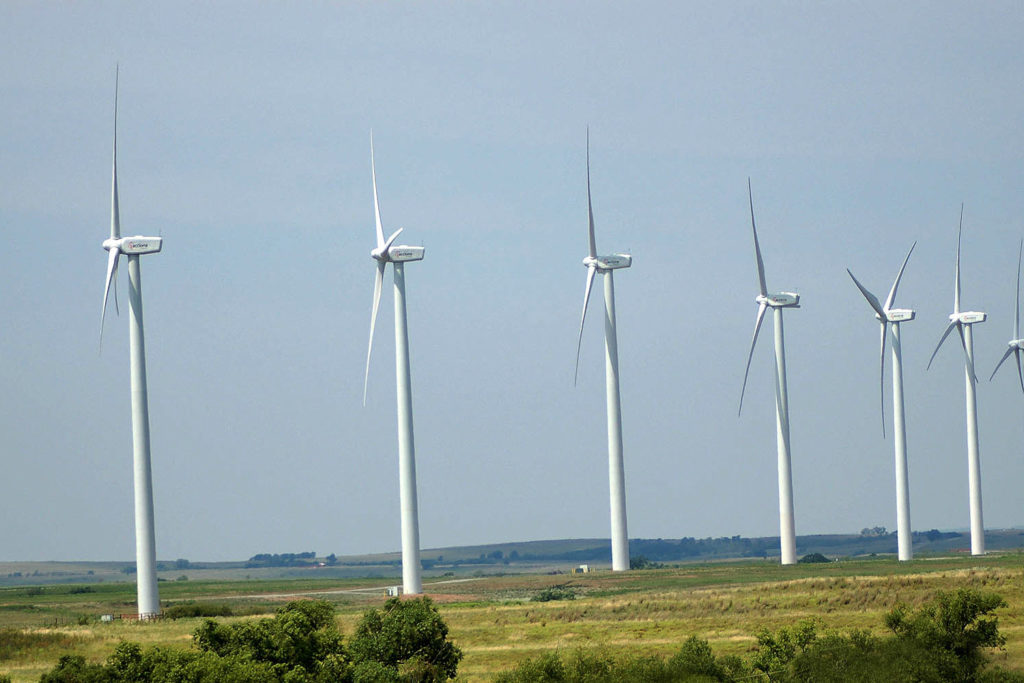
(133, 248)
(887, 315)
(777, 302)
(387, 252)
(963, 321)
(616, 473)
(1016, 344)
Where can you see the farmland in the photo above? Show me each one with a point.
(497, 622)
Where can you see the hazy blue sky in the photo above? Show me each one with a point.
(244, 141)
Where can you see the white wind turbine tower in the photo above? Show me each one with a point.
(963, 321)
(145, 534)
(384, 253)
(616, 473)
(887, 315)
(776, 301)
(1016, 344)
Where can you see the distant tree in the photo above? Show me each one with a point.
(554, 593)
(641, 562)
(813, 558)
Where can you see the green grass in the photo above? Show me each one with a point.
(494, 620)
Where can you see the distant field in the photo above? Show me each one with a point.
(493, 619)
(511, 557)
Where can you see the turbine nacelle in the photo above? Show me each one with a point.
(898, 315)
(135, 245)
(968, 317)
(779, 300)
(610, 262)
(1016, 344)
(403, 253)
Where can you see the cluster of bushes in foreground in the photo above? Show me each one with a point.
(942, 642)
(407, 640)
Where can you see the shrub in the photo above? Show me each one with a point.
(813, 558)
(406, 630)
(776, 650)
(554, 593)
(194, 609)
(641, 562)
(695, 657)
(301, 634)
(954, 630)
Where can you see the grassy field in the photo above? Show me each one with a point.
(496, 623)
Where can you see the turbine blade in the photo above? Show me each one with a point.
(967, 356)
(590, 207)
(1020, 371)
(872, 299)
(377, 284)
(390, 240)
(757, 328)
(376, 203)
(591, 271)
(1003, 360)
(117, 308)
(115, 218)
(881, 375)
(895, 285)
(945, 334)
(757, 246)
(1016, 310)
(112, 259)
(956, 292)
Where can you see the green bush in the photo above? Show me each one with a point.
(198, 609)
(694, 663)
(641, 562)
(405, 642)
(944, 641)
(813, 558)
(554, 593)
(954, 630)
(408, 636)
(301, 635)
